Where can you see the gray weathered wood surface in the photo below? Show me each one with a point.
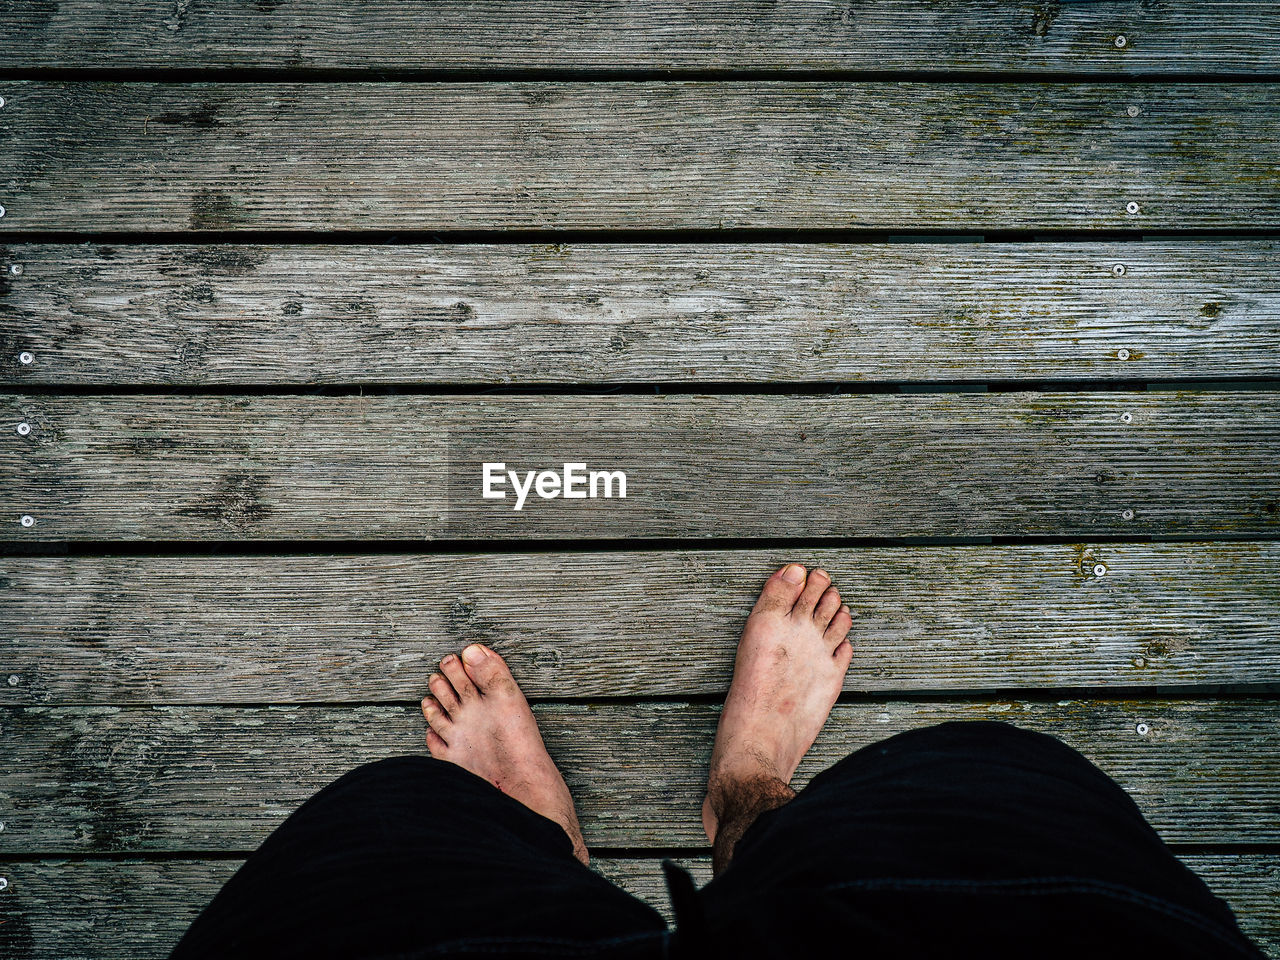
(117, 630)
(598, 313)
(107, 779)
(666, 155)
(137, 909)
(1173, 36)
(389, 466)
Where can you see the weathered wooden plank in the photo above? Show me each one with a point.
(137, 909)
(708, 155)
(1174, 36)
(874, 465)
(125, 630)
(597, 313)
(219, 778)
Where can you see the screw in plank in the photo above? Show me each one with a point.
(1, 101)
(1126, 515)
(2, 211)
(14, 679)
(1139, 662)
(1134, 110)
(26, 357)
(1142, 729)
(1, 828)
(1119, 270)
(1121, 41)
(24, 429)
(1122, 353)
(4, 884)
(1099, 569)
(1132, 206)
(1126, 417)
(27, 520)
(16, 269)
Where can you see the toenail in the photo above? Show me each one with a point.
(822, 573)
(793, 574)
(449, 659)
(473, 654)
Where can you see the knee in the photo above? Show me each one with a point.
(966, 742)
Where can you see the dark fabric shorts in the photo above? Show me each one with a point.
(974, 838)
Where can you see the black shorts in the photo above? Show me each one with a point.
(969, 839)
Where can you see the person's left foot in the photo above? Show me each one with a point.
(481, 721)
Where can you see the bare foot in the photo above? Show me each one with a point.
(789, 670)
(481, 721)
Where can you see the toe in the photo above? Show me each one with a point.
(814, 587)
(436, 744)
(839, 628)
(443, 691)
(486, 669)
(436, 715)
(827, 608)
(781, 590)
(844, 654)
(451, 667)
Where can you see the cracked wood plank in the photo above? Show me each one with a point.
(204, 779)
(1173, 36)
(608, 313)
(297, 629)
(646, 155)
(873, 465)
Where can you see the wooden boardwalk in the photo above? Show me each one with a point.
(975, 305)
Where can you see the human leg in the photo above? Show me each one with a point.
(943, 840)
(966, 836)
(418, 855)
(789, 669)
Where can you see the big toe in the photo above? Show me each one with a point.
(488, 671)
(781, 590)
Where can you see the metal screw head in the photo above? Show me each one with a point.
(1099, 569)
(1121, 41)
(14, 679)
(24, 429)
(1142, 729)
(1, 101)
(1139, 662)
(1119, 270)
(1122, 353)
(1126, 418)
(1, 828)
(2, 211)
(26, 356)
(27, 520)
(1126, 515)
(4, 883)
(1134, 110)
(16, 269)
(1132, 207)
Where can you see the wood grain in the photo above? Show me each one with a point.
(390, 466)
(198, 779)
(137, 909)
(645, 155)
(1174, 36)
(121, 630)
(601, 313)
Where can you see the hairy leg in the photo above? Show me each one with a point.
(789, 669)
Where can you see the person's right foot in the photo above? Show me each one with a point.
(790, 668)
